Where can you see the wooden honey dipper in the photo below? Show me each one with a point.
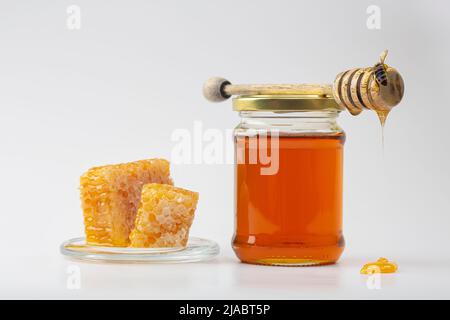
(378, 88)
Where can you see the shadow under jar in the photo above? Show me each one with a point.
(288, 180)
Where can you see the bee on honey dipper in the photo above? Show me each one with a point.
(378, 88)
(380, 70)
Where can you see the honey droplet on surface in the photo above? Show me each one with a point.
(382, 265)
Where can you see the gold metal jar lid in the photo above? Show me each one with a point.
(285, 103)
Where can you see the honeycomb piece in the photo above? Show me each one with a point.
(110, 196)
(164, 217)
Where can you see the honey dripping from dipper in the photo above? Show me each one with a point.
(381, 77)
(378, 88)
(392, 83)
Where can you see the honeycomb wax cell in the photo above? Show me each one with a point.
(110, 196)
(382, 265)
(164, 217)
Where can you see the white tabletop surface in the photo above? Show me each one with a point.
(223, 278)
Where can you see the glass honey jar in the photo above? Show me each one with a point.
(288, 180)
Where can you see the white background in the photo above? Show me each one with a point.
(115, 90)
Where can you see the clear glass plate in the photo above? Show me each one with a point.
(196, 250)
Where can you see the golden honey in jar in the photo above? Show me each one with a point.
(288, 180)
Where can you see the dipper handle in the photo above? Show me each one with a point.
(218, 89)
